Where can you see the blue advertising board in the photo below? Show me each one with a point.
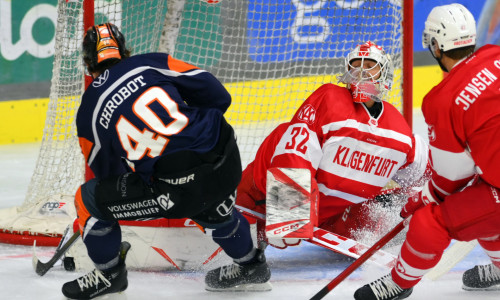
(291, 30)
(304, 30)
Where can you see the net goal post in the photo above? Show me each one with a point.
(269, 54)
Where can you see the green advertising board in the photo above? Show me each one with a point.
(27, 40)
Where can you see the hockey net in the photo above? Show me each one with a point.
(270, 55)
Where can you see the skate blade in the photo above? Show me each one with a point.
(491, 288)
(113, 296)
(251, 287)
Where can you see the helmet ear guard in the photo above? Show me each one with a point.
(101, 43)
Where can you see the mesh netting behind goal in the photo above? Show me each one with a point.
(271, 55)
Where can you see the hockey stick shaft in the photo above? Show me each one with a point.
(42, 268)
(358, 262)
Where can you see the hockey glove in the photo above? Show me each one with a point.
(418, 201)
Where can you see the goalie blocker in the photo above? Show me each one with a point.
(291, 204)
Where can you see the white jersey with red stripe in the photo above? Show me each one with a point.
(463, 118)
(351, 154)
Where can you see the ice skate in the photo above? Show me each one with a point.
(248, 277)
(382, 289)
(98, 283)
(482, 278)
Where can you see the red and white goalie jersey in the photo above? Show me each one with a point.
(463, 118)
(351, 155)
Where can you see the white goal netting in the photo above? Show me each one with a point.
(269, 54)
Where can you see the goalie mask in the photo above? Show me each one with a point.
(103, 43)
(368, 80)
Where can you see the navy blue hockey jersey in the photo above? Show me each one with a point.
(147, 106)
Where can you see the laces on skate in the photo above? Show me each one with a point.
(92, 279)
(229, 271)
(385, 287)
(488, 273)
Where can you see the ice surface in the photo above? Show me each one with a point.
(297, 272)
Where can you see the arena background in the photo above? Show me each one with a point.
(27, 52)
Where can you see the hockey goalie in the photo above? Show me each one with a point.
(352, 142)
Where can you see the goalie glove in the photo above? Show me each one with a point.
(418, 201)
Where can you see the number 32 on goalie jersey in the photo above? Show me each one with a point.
(139, 143)
(298, 140)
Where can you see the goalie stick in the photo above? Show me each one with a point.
(335, 242)
(354, 249)
(42, 268)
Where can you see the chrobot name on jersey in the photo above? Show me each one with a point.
(211, 1)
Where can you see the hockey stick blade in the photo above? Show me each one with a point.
(364, 257)
(42, 268)
(450, 258)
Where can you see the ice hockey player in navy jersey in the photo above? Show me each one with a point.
(153, 132)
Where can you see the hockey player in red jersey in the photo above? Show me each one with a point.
(152, 130)
(462, 199)
(352, 141)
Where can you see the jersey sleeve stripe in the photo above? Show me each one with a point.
(349, 185)
(179, 66)
(343, 195)
(452, 166)
(369, 138)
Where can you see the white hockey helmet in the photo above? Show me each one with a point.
(382, 80)
(452, 26)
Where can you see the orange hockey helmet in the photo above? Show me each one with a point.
(101, 43)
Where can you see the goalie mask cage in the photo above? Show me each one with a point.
(271, 55)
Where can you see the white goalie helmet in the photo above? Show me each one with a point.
(364, 84)
(452, 26)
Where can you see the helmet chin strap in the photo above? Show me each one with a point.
(438, 59)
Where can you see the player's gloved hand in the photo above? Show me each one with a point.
(283, 243)
(250, 197)
(418, 201)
